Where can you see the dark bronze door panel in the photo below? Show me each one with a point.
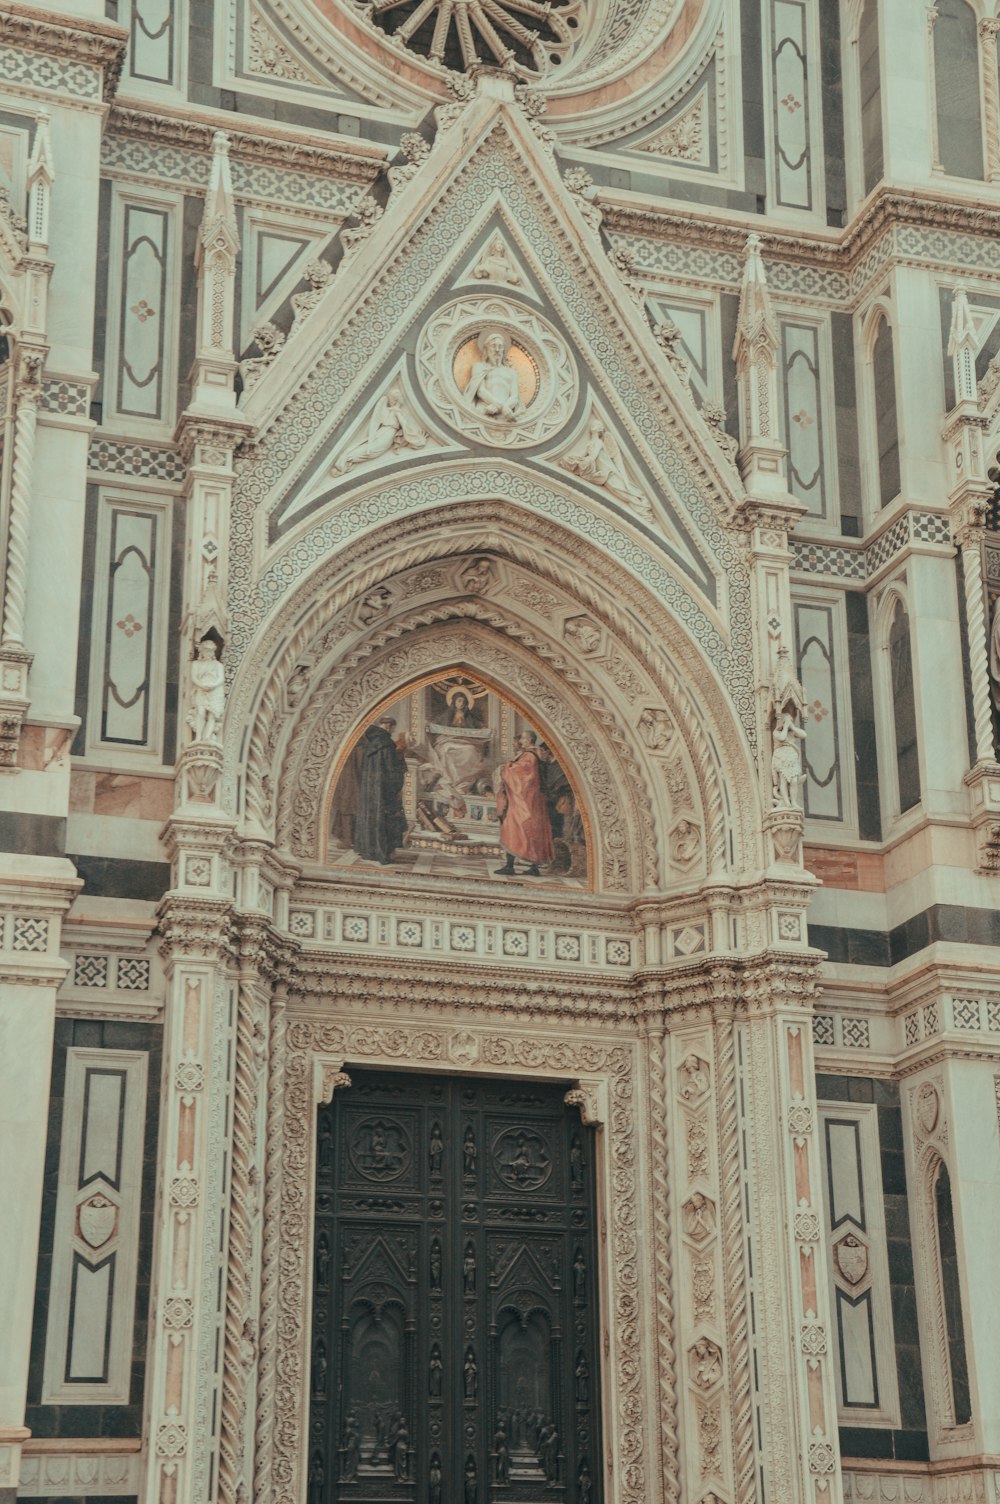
(455, 1354)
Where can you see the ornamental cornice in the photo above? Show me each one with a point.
(432, 899)
(728, 986)
(322, 978)
(347, 160)
(841, 251)
(70, 39)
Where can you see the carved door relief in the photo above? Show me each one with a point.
(454, 1356)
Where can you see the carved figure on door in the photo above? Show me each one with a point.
(469, 1269)
(436, 1149)
(435, 1376)
(471, 1371)
(579, 1278)
(435, 1264)
(469, 1153)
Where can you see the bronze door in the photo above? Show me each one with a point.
(455, 1356)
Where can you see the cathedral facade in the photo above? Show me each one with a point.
(500, 800)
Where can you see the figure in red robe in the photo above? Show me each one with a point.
(525, 827)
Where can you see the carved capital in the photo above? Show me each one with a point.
(330, 1078)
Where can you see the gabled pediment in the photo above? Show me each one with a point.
(485, 237)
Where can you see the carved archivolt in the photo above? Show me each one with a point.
(314, 1051)
(648, 654)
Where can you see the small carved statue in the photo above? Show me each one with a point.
(477, 576)
(434, 1480)
(351, 1449)
(707, 1364)
(469, 1153)
(390, 427)
(584, 632)
(436, 1150)
(668, 337)
(401, 1453)
(599, 463)
(325, 1141)
(297, 685)
(317, 1477)
(582, 1376)
(548, 1450)
(435, 1376)
(469, 1269)
(579, 182)
(471, 1481)
(787, 693)
(374, 603)
(501, 1452)
(585, 1485)
(493, 388)
(686, 842)
(579, 1278)
(495, 265)
(695, 1082)
(576, 1163)
(322, 1261)
(269, 339)
(435, 1263)
(208, 693)
(786, 761)
(320, 1366)
(471, 1374)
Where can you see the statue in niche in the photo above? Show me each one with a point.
(477, 576)
(656, 728)
(585, 1484)
(470, 1373)
(494, 389)
(434, 1480)
(374, 603)
(390, 427)
(600, 463)
(436, 1150)
(208, 693)
(325, 1142)
(471, 1481)
(435, 1375)
(297, 685)
(469, 1270)
(586, 634)
(786, 761)
(435, 1264)
(469, 1153)
(707, 1364)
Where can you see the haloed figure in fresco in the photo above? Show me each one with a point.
(381, 820)
(522, 807)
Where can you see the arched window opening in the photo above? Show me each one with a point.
(871, 95)
(904, 710)
(952, 1293)
(886, 425)
(956, 83)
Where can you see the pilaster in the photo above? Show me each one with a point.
(34, 895)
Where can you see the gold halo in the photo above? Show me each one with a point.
(467, 690)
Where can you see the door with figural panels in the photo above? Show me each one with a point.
(455, 1356)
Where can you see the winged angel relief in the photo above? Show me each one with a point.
(452, 779)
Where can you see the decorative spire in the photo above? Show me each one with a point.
(41, 174)
(215, 257)
(755, 351)
(962, 347)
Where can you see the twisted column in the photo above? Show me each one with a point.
(663, 1262)
(274, 1139)
(734, 1275)
(988, 30)
(240, 1345)
(976, 629)
(16, 583)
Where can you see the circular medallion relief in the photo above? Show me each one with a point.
(379, 1149)
(521, 1159)
(497, 372)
